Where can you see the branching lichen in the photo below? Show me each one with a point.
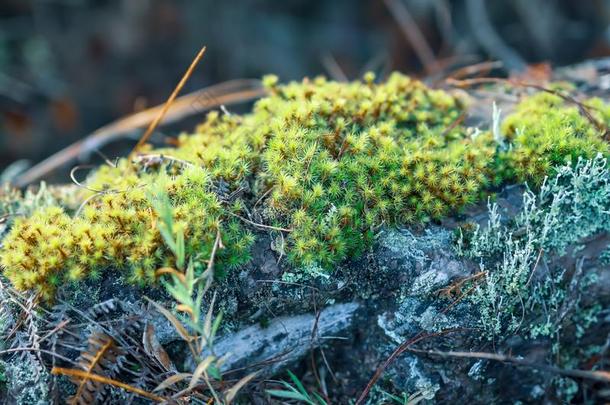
(27, 381)
(569, 207)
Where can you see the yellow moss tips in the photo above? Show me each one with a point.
(325, 163)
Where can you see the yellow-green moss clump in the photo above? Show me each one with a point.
(119, 229)
(325, 162)
(545, 132)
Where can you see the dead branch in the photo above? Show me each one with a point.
(414, 35)
(603, 376)
(226, 93)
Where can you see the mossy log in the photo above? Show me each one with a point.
(354, 219)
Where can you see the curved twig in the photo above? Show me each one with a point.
(153, 125)
(78, 183)
(227, 93)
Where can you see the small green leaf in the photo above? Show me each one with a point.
(298, 383)
(180, 250)
(289, 395)
(214, 372)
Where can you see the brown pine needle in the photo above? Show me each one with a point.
(153, 125)
(172, 271)
(83, 374)
(226, 93)
(90, 368)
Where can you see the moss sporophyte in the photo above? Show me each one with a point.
(323, 162)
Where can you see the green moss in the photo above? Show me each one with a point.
(545, 132)
(336, 160)
(325, 163)
(119, 229)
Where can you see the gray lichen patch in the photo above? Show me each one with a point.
(572, 206)
(27, 381)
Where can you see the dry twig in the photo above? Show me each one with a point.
(226, 93)
(399, 350)
(414, 35)
(603, 376)
(153, 125)
(98, 378)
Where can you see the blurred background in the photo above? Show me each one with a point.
(68, 67)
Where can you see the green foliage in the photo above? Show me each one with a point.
(120, 229)
(189, 291)
(379, 396)
(296, 391)
(337, 160)
(173, 238)
(546, 132)
(325, 163)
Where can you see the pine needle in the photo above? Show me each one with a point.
(83, 374)
(153, 125)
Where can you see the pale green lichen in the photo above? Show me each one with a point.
(15, 204)
(27, 381)
(571, 206)
(521, 292)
